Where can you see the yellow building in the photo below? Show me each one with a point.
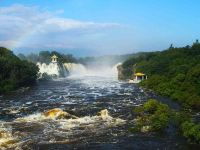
(138, 77)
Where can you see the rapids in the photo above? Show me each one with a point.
(78, 112)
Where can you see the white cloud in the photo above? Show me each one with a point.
(20, 23)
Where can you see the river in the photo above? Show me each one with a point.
(24, 126)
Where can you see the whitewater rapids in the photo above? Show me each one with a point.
(54, 126)
(87, 111)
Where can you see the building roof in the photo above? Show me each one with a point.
(139, 74)
(54, 56)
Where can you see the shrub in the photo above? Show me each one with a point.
(191, 131)
(153, 115)
(151, 105)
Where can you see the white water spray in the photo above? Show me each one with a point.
(75, 69)
(52, 69)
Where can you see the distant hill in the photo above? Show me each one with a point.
(174, 72)
(15, 73)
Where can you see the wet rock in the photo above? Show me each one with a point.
(121, 75)
(57, 113)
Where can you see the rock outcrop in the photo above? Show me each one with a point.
(57, 113)
(120, 73)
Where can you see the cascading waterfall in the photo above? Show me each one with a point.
(65, 71)
(114, 71)
(61, 70)
(51, 69)
(76, 70)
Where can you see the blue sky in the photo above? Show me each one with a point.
(98, 27)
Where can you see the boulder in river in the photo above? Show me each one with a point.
(57, 113)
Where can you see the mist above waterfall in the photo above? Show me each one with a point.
(104, 70)
(105, 66)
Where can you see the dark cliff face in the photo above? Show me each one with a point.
(120, 70)
(124, 73)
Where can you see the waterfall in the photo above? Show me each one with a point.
(75, 69)
(52, 70)
(115, 70)
(81, 70)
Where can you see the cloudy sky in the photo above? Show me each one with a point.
(97, 27)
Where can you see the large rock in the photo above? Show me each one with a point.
(57, 113)
(121, 71)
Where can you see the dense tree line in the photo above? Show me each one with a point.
(174, 72)
(45, 57)
(15, 73)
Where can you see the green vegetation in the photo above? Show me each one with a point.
(174, 72)
(15, 73)
(154, 116)
(45, 57)
(191, 131)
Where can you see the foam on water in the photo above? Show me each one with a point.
(54, 121)
(7, 140)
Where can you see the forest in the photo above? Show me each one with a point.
(15, 73)
(45, 57)
(174, 73)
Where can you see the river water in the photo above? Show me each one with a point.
(23, 124)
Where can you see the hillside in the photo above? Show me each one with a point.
(15, 73)
(174, 72)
